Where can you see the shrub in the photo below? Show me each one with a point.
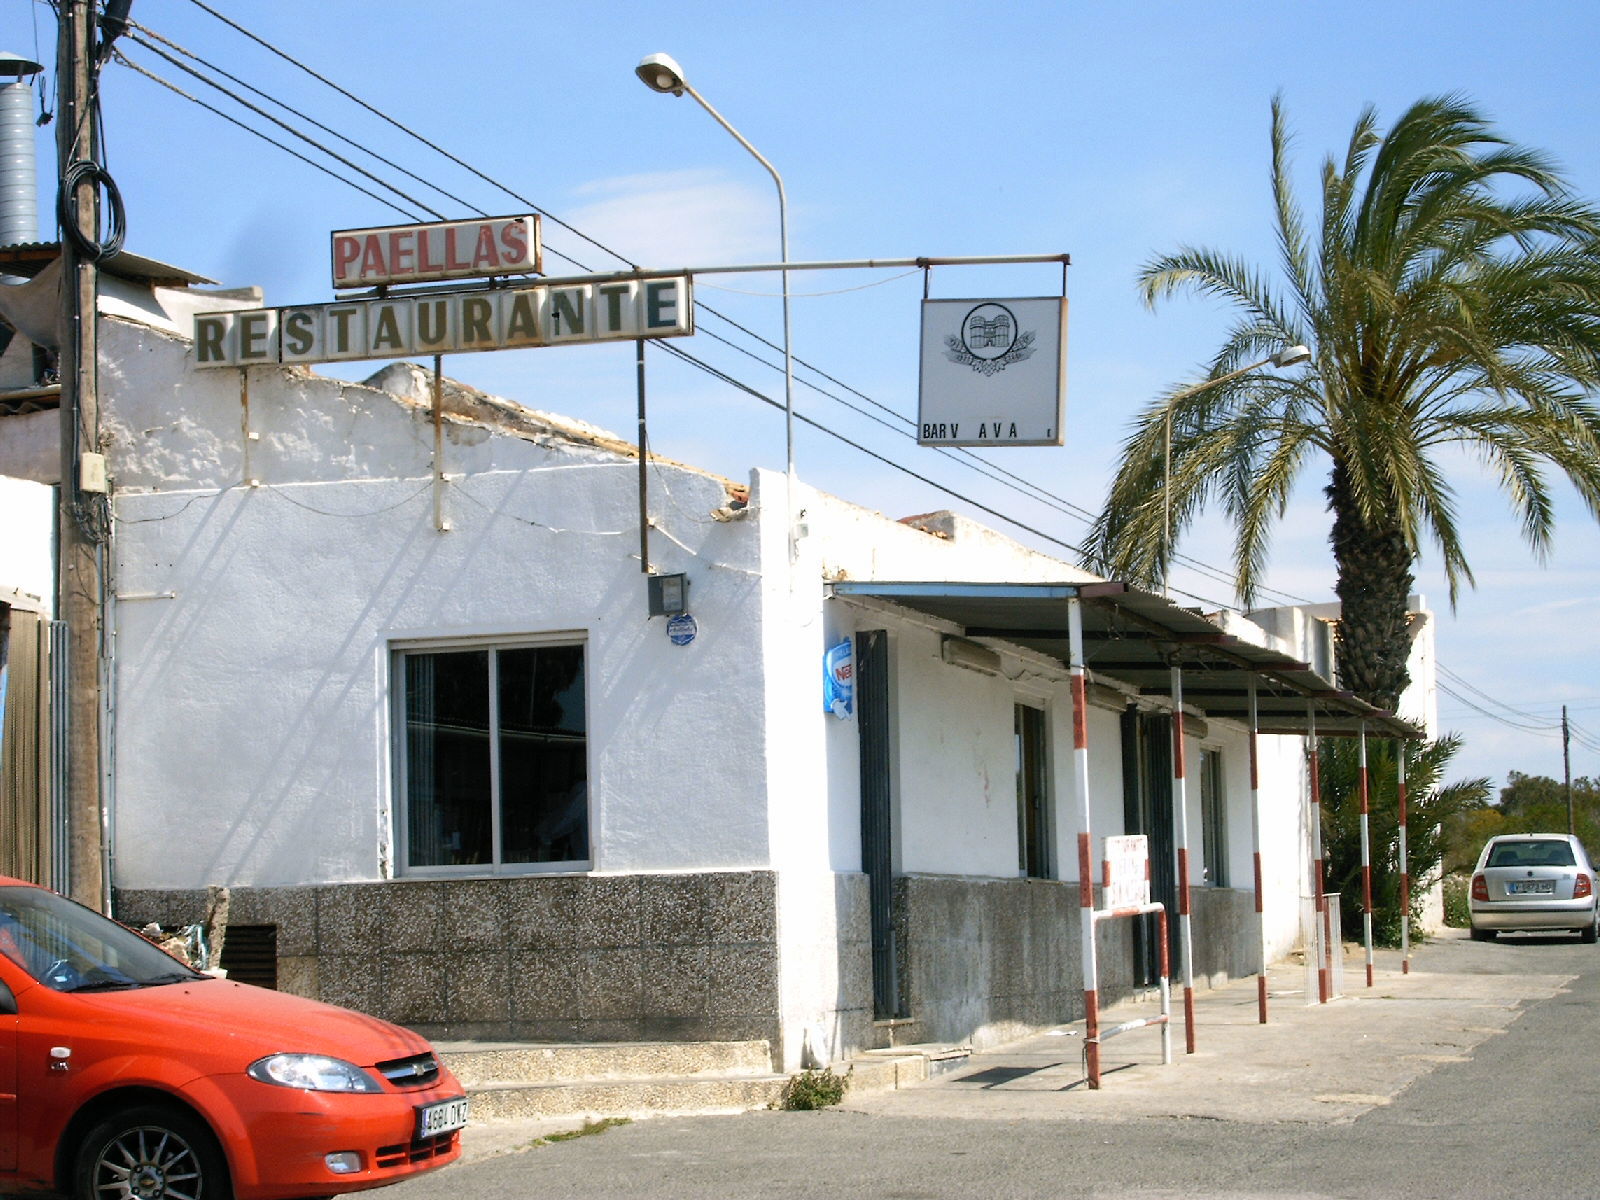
(812, 1089)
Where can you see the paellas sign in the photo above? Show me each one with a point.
(447, 323)
(480, 249)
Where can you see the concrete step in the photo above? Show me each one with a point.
(626, 1097)
(520, 1080)
(612, 1079)
(483, 1064)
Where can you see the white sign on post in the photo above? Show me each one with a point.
(1127, 871)
(994, 372)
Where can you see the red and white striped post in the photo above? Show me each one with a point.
(1366, 855)
(1180, 805)
(1405, 863)
(1080, 788)
(1323, 933)
(1255, 853)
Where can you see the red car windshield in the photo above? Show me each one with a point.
(70, 948)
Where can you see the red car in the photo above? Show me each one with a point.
(125, 1075)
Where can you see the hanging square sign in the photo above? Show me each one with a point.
(994, 372)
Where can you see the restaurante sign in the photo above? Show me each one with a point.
(447, 323)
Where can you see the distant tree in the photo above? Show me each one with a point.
(1538, 804)
(1430, 807)
(1466, 832)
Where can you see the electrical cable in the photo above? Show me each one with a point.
(994, 472)
(1493, 716)
(304, 137)
(304, 116)
(124, 60)
(78, 173)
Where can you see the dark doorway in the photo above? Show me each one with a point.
(877, 813)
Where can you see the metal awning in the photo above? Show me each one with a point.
(27, 259)
(1135, 638)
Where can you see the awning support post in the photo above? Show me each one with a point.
(1080, 788)
(1366, 854)
(1405, 864)
(1180, 805)
(1323, 933)
(1255, 853)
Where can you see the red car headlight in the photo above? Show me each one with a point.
(312, 1073)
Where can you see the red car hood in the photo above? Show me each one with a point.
(218, 1018)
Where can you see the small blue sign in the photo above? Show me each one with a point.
(681, 630)
(838, 679)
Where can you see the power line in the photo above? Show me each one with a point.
(129, 63)
(994, 472)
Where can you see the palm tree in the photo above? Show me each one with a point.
(1451, 299)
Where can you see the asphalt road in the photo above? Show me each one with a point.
(1499, 1098)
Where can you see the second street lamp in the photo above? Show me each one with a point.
(661, 73)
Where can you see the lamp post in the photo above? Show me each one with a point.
(1287, 357)
(661, 73)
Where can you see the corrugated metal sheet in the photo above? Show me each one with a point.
(29, 258)
(1135, 638)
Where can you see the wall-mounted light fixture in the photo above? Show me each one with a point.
(669, 595)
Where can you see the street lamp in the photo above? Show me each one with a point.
(1287, 357)
(661, 73)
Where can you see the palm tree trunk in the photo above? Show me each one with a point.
(1374, 584)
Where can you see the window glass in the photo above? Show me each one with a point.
(1531, 854)
(69, 948)
(494, 756)
(447, 758)
(1033, 795)
(1213, 819)
(543, 769)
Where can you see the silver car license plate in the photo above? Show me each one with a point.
(1532, 887)
(443, 1117)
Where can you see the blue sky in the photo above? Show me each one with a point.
(1108, 131)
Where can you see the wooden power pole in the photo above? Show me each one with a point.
(83, 517)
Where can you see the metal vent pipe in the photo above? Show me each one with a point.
(19, 187)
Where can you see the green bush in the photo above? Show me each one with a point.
(1455, 901)
(812, 1089)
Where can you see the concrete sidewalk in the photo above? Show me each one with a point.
(1310, 1063)
(1313, 1063)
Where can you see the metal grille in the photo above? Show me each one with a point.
(250, 954)
(417, 1071)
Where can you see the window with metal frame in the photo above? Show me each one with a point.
(1213, 819)
(491, 757)
(1033, 793)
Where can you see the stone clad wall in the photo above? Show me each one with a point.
(1227, 941)
(538, 958)
(987, 961)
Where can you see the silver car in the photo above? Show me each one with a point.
(1533, 881)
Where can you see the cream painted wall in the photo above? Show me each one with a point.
(254, 625)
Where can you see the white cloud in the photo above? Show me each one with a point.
(687, 218)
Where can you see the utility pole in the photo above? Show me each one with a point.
(1566, 765)
(83, 516)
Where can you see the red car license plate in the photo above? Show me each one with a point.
(443, 1117)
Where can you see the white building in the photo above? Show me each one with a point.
(415, 714)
